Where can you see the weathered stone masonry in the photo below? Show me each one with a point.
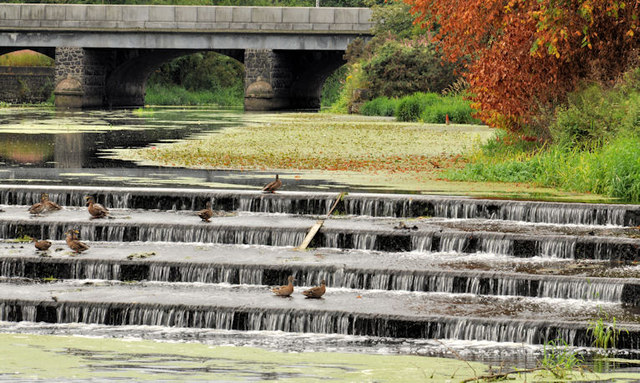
(26, 84)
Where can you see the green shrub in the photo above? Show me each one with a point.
(381, 106)
(433, 108)
(590, 116)
(458, 110)
(410, 108)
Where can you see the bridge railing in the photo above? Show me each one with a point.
(128, 18)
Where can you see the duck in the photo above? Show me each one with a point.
(316, 292)
(37, 208)
(286, 290)
(95, 209)
(206, 213)
(49, 205)
(42, 245)
(272, 186)
(73, 242)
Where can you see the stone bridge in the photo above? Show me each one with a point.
(104, 53)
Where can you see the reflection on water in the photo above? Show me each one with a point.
(40, 137)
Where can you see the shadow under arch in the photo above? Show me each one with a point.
(126, 80)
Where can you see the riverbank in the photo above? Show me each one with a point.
(372, 153)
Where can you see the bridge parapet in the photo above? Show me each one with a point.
(126, 18)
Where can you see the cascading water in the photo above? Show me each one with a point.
(418, 264)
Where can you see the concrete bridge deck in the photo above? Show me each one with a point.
(181, 27)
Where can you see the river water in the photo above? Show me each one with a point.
(47, 146)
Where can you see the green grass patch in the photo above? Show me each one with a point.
(25, 58)
(613, 169)
(158, 94)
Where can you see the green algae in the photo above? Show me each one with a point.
(28, 357)
(68, 357)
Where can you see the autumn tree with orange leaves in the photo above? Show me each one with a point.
(525, 55)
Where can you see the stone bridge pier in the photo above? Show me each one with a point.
(287, 79)
(274, 79)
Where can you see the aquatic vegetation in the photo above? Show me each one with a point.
(560, 360)
(22, 239)
(605, 333)
(321, 143)
(141, 255)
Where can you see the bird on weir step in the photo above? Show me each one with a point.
(95, 209)
(39, 207)
(272, 186)
(42, 245)
(286, 290)
(49, 205)
(73, 242)
(206, 213)
(316, 292)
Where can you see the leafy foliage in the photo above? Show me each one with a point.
(398, 67)
(595, 115)
(524, 55)
(198, 71)
(400, 60)
(332, 87)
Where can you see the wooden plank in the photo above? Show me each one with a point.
(314, 229)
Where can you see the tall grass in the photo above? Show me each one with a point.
(458, 110)
(158, 94)
(612, 170)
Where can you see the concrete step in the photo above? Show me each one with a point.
(383, 234)
(379, 205)
(260, 265)
(349, 312)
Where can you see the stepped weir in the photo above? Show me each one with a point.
(396, 266)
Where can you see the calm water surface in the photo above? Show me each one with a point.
(43, 145)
